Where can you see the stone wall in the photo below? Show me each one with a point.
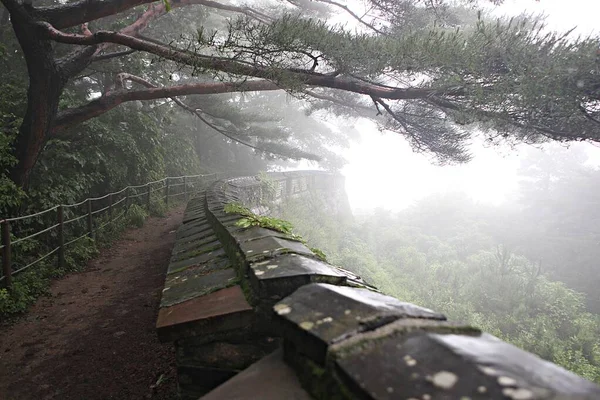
(233, 296)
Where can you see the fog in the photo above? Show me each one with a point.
(383, 171)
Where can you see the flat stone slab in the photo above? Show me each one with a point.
(187, 246)
(272, 246)
(268, 379)
(193, 213)
(192, 228)
(211, 256)
(223, 310)
(448, 366)
(497, 358)
(197, 250)
(318, 315)
(213, 264)
(282, 275)
(292, 265)
(195, 282)
(197, 236)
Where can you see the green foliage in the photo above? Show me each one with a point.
(12, 108)
(319, 253)
(136, 215)
(34, 282)
(440, 255)
(158, 208)
(250, 219)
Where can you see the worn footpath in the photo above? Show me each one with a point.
(94, 337)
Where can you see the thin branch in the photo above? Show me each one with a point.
(351, 13)
(109, 56)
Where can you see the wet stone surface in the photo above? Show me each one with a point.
(200, 236)
(194, 244)
(199, 249)
(513, 368)
(256, 250)
(195, 261)
(220, 311)
(282, 275)
(194, 211)
(193, 228)
(413, 367)
(318, 315)
(195, 282)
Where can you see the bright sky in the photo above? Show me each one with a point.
(384, 172)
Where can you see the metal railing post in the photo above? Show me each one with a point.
(6, 267)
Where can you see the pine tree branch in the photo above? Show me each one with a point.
(112, 99)
(236, 68)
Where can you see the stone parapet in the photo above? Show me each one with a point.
(233, 295)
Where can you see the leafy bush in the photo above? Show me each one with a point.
(158, 208)
(136, 216)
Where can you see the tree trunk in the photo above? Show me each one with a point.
(45, 87)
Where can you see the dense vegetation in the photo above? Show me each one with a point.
(522, 275)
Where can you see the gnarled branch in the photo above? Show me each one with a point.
(112, 99)
(237, 68)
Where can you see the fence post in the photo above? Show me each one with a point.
(167, 192)
(6, 267)
(90, 221)
(148, 197)
(61, 236)
(110, 202)
(185, 192)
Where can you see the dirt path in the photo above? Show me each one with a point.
(94, 338)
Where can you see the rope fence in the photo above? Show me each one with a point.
(84, 219)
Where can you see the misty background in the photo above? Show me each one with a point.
(491, 176)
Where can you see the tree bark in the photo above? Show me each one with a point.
(112, 99)
(45, 86)
(47, 79)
